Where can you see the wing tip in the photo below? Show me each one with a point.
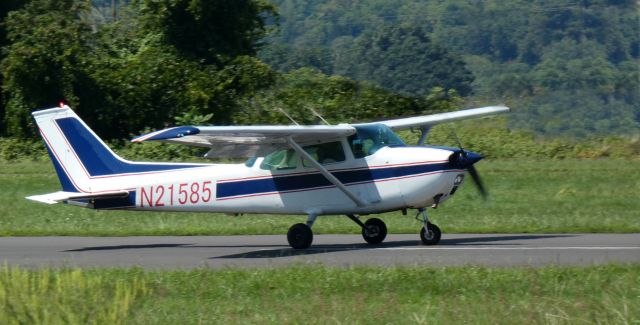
(166, 134)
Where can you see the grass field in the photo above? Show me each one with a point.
(526, 196)
(552, 295)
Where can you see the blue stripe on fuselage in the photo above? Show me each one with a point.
(97, 159)
(316, 180)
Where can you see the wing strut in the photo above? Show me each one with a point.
(325, 173)
(423, 134)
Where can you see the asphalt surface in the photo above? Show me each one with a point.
(330, 250)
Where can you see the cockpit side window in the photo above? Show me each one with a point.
(325, 153)
(370, 138)
(250, 162)
(281, 159)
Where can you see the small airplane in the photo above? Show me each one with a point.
(347, 169)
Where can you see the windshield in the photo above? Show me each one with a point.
(371, 137)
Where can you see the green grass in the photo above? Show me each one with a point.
(526, 196)
(600, 294)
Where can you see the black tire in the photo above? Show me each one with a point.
(432, 237)
(300, 236)
(375, 231)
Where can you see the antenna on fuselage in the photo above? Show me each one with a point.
(287, 115)
(318, 115)
(455, 136)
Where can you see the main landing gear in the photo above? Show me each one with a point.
(374, 231)
(300, 235)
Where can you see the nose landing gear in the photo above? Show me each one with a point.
(429, 234)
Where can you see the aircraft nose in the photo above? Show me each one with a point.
(473, 157)
(464, 159)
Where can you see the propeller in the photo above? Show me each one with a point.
(476, 179)
(465, 159)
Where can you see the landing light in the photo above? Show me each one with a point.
(458, 179)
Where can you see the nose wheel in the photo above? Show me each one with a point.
(429, 234)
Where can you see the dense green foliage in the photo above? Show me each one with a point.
(210, 31)
(569, 68)
(6, 6)
(304, 92)
(133, 73)
(526, 196)
(606, 294)
(566, 68)
(402, 59)
(163, 62)
(45, 60)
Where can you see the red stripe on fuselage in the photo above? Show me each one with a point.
(333, 186)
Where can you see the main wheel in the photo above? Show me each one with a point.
(300, 236)
(431, 235)
(375, 231)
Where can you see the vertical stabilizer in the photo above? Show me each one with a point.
(77, 153)
(81, 158)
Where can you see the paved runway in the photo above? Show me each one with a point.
(331, 250)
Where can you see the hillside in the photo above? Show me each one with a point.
(567, 67)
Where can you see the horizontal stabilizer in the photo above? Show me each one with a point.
(56, 197)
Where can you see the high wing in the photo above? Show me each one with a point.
(258, 140)
(246, 141)
(433, 119)
(56, 197)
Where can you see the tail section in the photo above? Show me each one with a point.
(76, 152)
(80, 156)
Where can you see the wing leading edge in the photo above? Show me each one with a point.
(433, 119)
(245, 141)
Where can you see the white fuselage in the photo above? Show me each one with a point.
(393, 178)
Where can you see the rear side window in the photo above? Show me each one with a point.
(325, 153)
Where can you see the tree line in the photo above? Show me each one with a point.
(566, 67)
(172, 62)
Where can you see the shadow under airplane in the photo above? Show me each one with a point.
(275, 251)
